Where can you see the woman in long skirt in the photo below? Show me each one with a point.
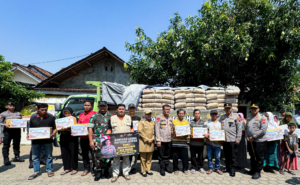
(241, 156)
(279, 156)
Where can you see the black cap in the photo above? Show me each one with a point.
(213, 112)
(131, 106)
(228, 105)
(11, 103)
(254, 105)
(102, 103)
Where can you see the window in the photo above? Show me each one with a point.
(77, 105)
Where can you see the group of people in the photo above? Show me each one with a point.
(241, 135)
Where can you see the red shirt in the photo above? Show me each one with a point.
(84, 118)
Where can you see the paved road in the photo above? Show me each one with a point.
(19, 172)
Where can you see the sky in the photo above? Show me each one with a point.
(35, 31)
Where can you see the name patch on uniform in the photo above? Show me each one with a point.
(256, 121)
(263, 121)
(222, 123)
(239, 119)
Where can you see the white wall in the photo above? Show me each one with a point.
(22, 77)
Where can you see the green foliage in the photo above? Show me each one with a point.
(254, 44)
(9, 89)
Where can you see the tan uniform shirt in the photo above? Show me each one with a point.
(163, 128)
(146, 130)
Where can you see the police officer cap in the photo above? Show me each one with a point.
(11, 103)
(213, 112)
(102, 103)
(254, 105)
(131, 106)
(228, 105)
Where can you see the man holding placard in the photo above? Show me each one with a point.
(197, 142)
(256, 129)
(135, 120)
(10, 133)
(98, 125)
(232, 125)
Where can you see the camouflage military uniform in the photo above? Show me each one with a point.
(99, 123)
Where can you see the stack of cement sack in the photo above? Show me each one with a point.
(190, 99)
(232, 97)
(154, 99)
(215, 99)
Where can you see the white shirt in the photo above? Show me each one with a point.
(297, 119)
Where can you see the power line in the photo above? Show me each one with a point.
(58, 60)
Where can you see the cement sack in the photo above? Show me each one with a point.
(180, 91)
(200, 100)
(220, 108)
(164, 101)
(231, 97)
(221, 96)
(190, 104)
(221, 105)
(160, 91)
(199, 104)
(190, 108)
(190, 100)
(199, 95)
(212, 101)
(187, 91)
(200, 108)
(235, 109)
(169, 92)
(180, 96)
(148, 105)
(232, 92)
(154, 96)
(215, 92)
(180, 105)
(168, 96)
(211, 96)
(148, 91)
(140, 100)
(234, 104)
(221, 100)
(199, 91)
(190, 95)
(140, 105)
(212, 105)
(231, 100)
(180, 100)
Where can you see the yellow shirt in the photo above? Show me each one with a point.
(181, 140)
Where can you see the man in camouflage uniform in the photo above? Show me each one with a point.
(97, 128)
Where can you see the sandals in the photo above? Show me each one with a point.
(85, 172)
(65, 172)
(291, 172)
(209, 172)
(219, 172)
(281, 172)
(176, 173)
(31, 177)
(127, 177)
(50, 174)
(114, 179)
(186, 172)
(74, 172)
(193, 171)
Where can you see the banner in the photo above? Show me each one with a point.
(117, 145)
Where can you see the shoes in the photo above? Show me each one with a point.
(225, 170)
(30, 165)
(6, 161)
(98, 175)
(144, 174)
(162, 172)
(250, 172)
(18, 159)
(168, 170)
(256, 175)
(149, 173)
(133, 171)
(106, 173)
(232, 172)
(202, 170)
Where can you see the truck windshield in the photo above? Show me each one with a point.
(77, 104)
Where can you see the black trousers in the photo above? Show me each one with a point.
(42, 156)
(164, 153)
(184, 158)
(11, 134)
(230, 150)
(85, 150)
(69, 151)
(257, 156)
(197, 162)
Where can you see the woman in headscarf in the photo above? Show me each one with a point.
(288, 118)
(241, 156)
(68, 147)
(279, 156)
(270, 158)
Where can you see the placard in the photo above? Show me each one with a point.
(117, 145)
(135, 125)
(40, 133)
(199, 132)
(284, 129)
(17, 123)
(217, 135)
(66, 122)
(274, 134)
(79, 130)
(183, 130)
(297, 131)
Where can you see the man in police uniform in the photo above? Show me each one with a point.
(98, 125)
(120, 123)
(108, 149)
(255, 133)
(163, 134)
(10, 133)
(232, 125)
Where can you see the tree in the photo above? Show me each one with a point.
(9, 89)
(253, 44)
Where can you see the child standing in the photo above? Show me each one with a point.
(291, 148)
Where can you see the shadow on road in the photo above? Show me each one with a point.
(5, 168)
(293, 180)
